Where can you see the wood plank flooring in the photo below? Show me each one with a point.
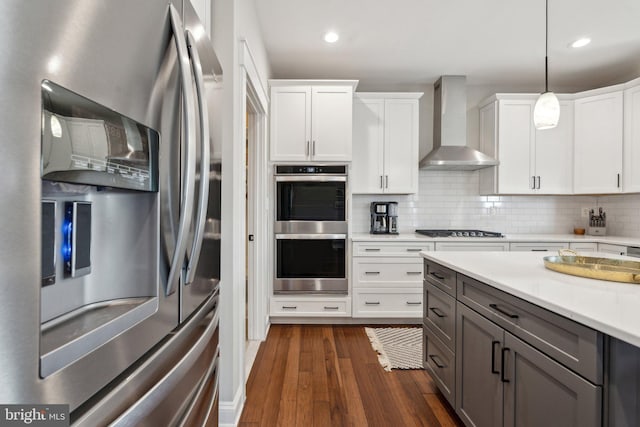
(328, 375)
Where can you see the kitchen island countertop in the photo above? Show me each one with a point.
(610, 307)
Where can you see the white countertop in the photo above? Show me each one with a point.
(610, 307)
(614, 240)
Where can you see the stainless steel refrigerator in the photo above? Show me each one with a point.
(110, 213)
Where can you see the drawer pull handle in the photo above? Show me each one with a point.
(371, 272)
(414, 303)
(414, 272)
(331, 307)
(437, 276)
(493, 357)
(414, 249)
(436, 361)
(289, 307)
(539, 250)
(372, 303)
(502, 363)
(506, 313)
(372, 249)
(437, 312)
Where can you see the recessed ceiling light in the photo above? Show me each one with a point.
(581, 42)
(331, 37)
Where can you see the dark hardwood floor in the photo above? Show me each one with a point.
(328, 375)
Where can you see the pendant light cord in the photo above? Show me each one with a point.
(546, 46)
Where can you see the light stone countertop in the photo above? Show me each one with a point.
(610, 307)
(572, 238)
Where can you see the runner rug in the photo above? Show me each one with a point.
(397, 348)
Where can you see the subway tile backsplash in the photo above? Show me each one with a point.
(450, 199)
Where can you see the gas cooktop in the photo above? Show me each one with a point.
(459, 233)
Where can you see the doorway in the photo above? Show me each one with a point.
(256, 217)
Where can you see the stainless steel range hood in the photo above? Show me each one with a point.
(450, 151)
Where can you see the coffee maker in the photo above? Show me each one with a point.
(384, 218)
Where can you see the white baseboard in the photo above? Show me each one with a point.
(230, 412)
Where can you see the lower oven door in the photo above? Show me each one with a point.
(311, 263)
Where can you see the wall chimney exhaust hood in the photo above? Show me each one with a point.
(450, 151)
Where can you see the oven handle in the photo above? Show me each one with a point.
(314, 178)
(310, 236)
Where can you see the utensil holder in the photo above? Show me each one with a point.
(597, 231)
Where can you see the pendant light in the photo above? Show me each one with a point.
(546, 112)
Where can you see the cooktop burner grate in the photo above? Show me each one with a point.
(459, 233)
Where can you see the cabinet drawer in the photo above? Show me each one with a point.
(440, 276)
(539, 246)
(395, 249)
(584, 246)
(405, 272)
(572, 344)
(440, 314)
(440, 362)
(387, 303)
(325, 307)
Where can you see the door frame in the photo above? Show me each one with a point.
(255, 100)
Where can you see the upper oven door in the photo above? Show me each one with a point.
(311, 204)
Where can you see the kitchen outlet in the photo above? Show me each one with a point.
(585, 212)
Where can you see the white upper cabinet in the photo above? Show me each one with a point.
(531, 161)
(311, 121)
(554, 154)
(290, 123)
(385, 143)
(631, 148)
(367, 168)
(598, 143)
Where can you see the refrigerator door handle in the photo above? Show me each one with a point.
(203, 197)
(202, 388)
(150, 400)
(189, 184)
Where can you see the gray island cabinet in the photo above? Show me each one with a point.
(501, 360)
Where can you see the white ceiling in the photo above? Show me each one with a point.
(389, 43)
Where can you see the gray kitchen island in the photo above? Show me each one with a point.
(509, 342)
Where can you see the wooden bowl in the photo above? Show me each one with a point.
(578, 231)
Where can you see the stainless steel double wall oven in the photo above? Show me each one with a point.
(310, 229)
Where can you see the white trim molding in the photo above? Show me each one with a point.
(230, 412)
(253, 76)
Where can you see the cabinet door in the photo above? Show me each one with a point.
(540, 392)
(488, 144)
(478, 369)
(631, 171)
(331, 123)
(598, 144)
(516, 135)
(612, 249)
(401, 146)
(554, 155)
(290, 123)
(368, 146)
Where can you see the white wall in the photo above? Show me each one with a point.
(450, 199)
(249, 30)
(233, 20)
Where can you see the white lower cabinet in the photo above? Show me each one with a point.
(387, 279)
(400, 302)
(538, 246)
(612, 249)
(310, 306)
(586, 246)
(472, 246)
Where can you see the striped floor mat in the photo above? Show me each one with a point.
(397, 348)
